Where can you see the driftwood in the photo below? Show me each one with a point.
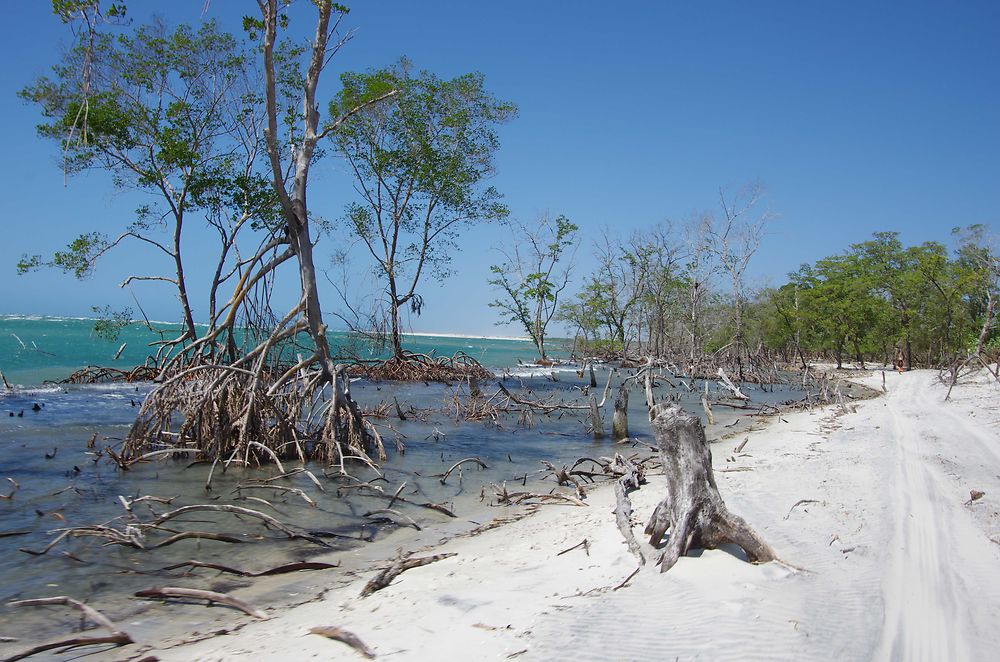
(343, 636)
(631, 478)
(693, 511)
(728, 383)
(117, 637)
(402, 563)
(166, 592)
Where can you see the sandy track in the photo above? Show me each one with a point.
(941, 563)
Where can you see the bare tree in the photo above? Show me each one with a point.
(535, 272)
(734, 239)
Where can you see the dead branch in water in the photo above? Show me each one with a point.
(167, 592)
(117, 637)
(14, 487)
(278, 570)
(409, 519)
(280, 488)
(518, 498)
(343, 636)
(482, 465)
(402, 563)
(237, 510)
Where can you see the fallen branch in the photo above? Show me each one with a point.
(117, 637)
(482, 465)
(737, 393)
(399, 566)
(583, 543)
(279, 570)
(396, 513)
(236, 510)
(197, 535)
(632, 477)
(166, 592)
(281, 488)
(800, 502)
(343, 636)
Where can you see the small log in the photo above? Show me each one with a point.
(399, 566)
(166, 592)
(593, 377)
(343, 636)
(693, 510)
(619, 422)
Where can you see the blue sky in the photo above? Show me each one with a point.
(855, 116)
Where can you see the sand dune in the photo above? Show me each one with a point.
(894, 564)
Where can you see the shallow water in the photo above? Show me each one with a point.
(63, 483)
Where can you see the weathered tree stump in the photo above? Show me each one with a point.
(619, 422)
(693, 510)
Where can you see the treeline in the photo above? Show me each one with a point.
(681, 293)
(884, 301)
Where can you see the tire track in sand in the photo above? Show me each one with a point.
(924, 619)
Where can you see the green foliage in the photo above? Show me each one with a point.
(528, 281)
(881, 297)
(79, 257)
(109, 323)
(420, 158)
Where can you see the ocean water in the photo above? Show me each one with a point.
(62, 483)
(36, 349)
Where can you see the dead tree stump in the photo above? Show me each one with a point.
(619, 422)
(693, 511)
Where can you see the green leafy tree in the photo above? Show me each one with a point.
(174, 114)
(420, 161)
(534, 274)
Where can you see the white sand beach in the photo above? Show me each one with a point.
(872, 504)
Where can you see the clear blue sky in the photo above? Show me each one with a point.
(856, 117)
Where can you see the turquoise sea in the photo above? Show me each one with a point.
(37, 349)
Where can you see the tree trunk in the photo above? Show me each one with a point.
(987, 323)
(693, 512)
(619, 422)
(397, 342)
